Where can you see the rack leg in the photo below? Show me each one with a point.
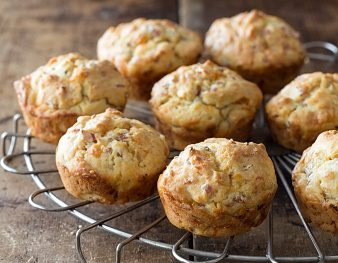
(192, 244)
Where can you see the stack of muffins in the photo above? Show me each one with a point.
(219, 185)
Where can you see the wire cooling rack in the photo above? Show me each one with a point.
(184, 250)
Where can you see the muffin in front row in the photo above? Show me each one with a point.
(218, 187)
(144, 50)
(202, 101)
(315, 180)
(111, 159)
(260, 47)
(53, 96)
(303, 109)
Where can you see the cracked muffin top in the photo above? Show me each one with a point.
(303, 109)
(203, 97)
(147, 49)
(73, 84)
(221, 175)
(254, 41)
(316, 174)
(110, 158)
(113, 145)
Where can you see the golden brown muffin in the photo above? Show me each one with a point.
(218, 187)
(68, 86)
(261, 48)
(111, 159)
(202, 101)
(145, 50)
(303, 109)
(315, 180)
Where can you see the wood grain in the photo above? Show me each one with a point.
(31, 31)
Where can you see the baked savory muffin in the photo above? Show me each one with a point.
(262, 48)
(145, 50)
(315, 180)
(303, 109)
(68, 86)
(111, 159)
(218, 187)
(202, 101)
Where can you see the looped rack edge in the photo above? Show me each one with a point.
(285, 162)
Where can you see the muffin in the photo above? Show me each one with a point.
(202, 101)
(303, 109)
(111, 159)
(315, 180)
(53, 96)
(146, 50)
(218, 187)
(261, 48)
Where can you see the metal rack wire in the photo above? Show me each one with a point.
(284, 164)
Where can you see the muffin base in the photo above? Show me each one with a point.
(179, 137)
(198, 220)
(48, 128)
(140, 90)
(322, 215)
(291, 137)
(86, 184)
(272, 80)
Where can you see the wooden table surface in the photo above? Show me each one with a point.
(32, 31)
